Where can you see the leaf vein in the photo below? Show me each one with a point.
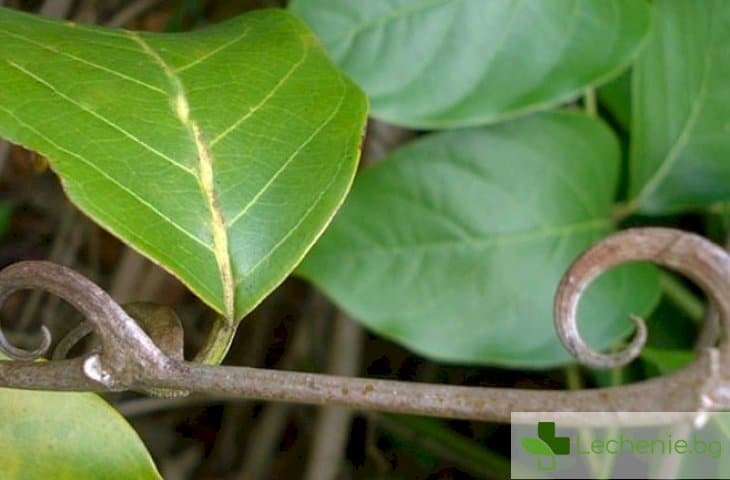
(51, 22)
(107, 176)
(212, 52)
(263, 101)
(99, 116)
(86, 62)
(303, 217)
(205, 178)
(390, 17)
(287, 162)
(682, 139)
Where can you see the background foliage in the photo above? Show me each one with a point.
(481, 244)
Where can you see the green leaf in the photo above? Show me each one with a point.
(681, 146)
(615, 96)
(455, 244)
(535, 446)
(221, 154)
(453, 63)
(64, 435)
(667, 361)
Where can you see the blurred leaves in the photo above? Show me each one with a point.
(444, 64)
(454, 245)
(667, 361)
(64, 435)
(681, 132)
(616, 97)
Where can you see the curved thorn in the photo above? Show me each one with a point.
(126, 350)
(702, 261)
(70, 340)
(16, 353)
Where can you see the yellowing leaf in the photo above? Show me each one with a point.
(222, 154)
(64, 435)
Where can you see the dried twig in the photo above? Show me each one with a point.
(130, 12)
(266, 434)
(63, 251)
(56, 8)
(332, 426)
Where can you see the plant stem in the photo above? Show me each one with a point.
(622, 211)
(680, 391)
(574, 381)
(682, 297)
(589, 102)
(129, 359)
(217, 343)
(332, 426)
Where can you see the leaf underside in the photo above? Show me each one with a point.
(680, 143)
(514, 56)
(454, 244)
(220, 154)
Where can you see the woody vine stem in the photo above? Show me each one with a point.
(129, 359)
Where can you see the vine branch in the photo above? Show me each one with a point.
(129, 359)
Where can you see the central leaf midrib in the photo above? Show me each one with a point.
(484, 241)
(205, 177)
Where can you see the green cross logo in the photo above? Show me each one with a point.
(547, 444)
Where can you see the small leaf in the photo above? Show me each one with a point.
(667, 361)
(535, 446)
(222, 154)
(455, 244)
(616, 98)
(680, 142)
(73, 436)
(452, 63)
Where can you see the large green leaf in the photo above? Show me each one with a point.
(680, 155)
(221, 154)
(455, 244)
(450, 63)
(67, 436)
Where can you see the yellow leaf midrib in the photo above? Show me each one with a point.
(205, 178)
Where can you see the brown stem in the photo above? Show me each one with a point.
(677, 392)
(129, 359)
(699, 259)
(125, 348)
